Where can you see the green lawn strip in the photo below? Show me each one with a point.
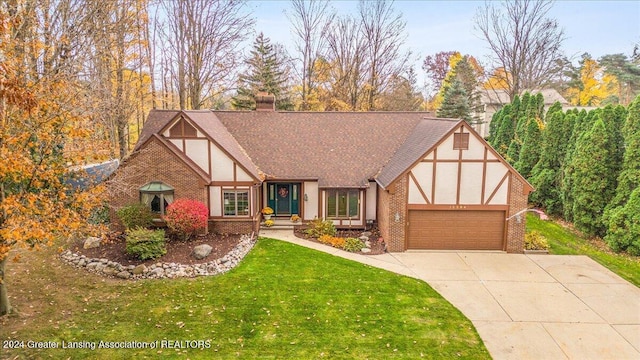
(282, 301)
(563, 241)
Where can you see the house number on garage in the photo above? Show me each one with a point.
(457, 207)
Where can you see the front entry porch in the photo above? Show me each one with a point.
(284, 198)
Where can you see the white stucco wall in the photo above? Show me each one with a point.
(310, 189)
(371, 196)
(215, 201)
(221, 165)
(196, 150)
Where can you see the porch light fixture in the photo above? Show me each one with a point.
(306, 198)
(397, 217)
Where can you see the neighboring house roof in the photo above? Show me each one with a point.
(501, 96)
(84, 177)
(339, 149)
(426, 134)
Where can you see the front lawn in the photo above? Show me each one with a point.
(563, 241)
(282, 302)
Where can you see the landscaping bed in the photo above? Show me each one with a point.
(376, 241)
(178, 251)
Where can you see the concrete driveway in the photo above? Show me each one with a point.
(525, 306)
(537, 306)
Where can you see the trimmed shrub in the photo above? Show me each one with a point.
(146, 244)
(353, 245)
(135, 215)
(319, 227)
(186, 217)
(535, 241)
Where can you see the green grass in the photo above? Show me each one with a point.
(282, 302)
(563, 241)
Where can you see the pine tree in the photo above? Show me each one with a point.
(593, 186)
(266, 72)
(468, 76)
(455, 103)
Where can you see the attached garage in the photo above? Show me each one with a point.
(451, 192)
(456, 229)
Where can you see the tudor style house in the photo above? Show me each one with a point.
(427, 183)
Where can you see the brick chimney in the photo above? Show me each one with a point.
(265, 102)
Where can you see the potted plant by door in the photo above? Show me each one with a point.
(267, 212)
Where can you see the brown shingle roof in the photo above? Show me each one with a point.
(212, 126)
(426, 134)
(340, 149)
(209, 123)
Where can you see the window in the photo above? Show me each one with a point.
(236, 203)
(343, 203)
(461, 141)
(157, 195)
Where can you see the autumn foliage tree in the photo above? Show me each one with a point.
(37, 206)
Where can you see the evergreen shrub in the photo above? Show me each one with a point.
(135, 215)
(145, 243)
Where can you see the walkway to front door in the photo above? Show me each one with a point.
(283, 198)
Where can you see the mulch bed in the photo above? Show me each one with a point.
(377, 243)
(178, 251)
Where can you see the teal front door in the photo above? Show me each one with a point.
(283, 198)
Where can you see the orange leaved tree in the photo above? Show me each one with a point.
(37, 127)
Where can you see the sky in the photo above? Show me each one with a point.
(596, 27)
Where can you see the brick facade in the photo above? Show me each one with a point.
(391, 202)
(232, 226)
(155, 163)
(516, 229)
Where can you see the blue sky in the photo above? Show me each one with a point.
(597, 27)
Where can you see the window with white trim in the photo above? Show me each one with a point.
(235, 202)
(343, 203)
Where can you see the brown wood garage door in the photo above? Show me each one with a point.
(456, 229)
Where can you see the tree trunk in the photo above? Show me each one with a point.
(5, 306)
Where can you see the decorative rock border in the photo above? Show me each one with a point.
(161, 270)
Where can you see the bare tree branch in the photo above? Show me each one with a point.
(524, 42)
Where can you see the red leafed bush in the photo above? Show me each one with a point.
(185, 217)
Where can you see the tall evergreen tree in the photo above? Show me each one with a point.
(582, 121)
(494, 125)
(629, 177)
(531, 147)
(546, 176)
(521, 118)
(593, 186)
(455, 103)
(624, 226)
(468, 76)
(623, 213)
(504, 133)
(266, 72)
